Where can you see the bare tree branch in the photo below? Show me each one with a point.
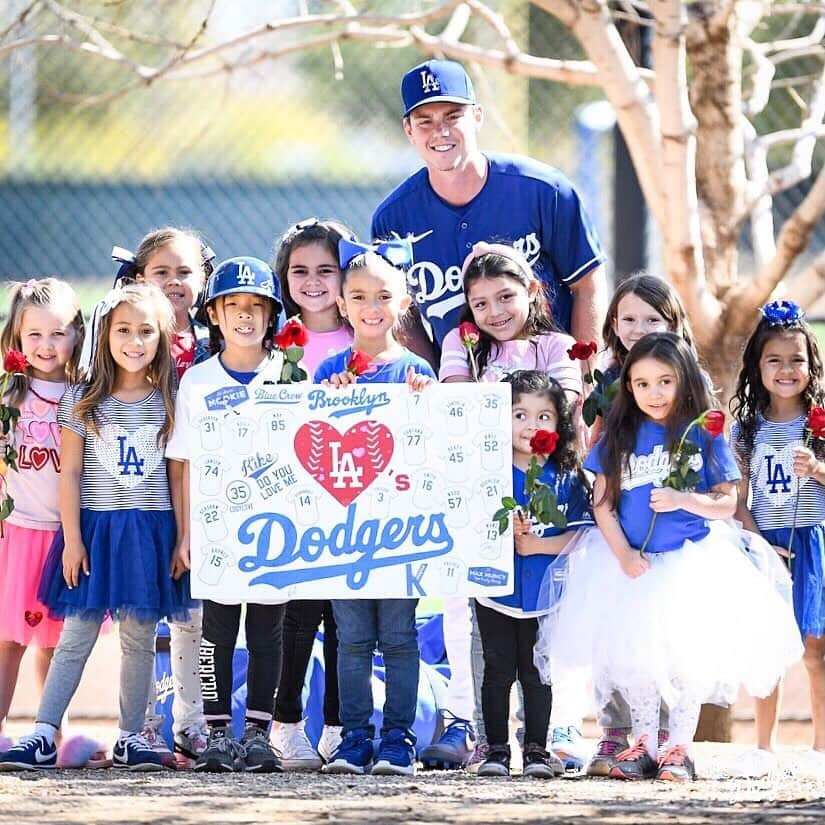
(761, 79)
(794, 238)
(683, 244)
(626, 88)
(761, 202)
(801, 162)
(19, 19)
(807, 287)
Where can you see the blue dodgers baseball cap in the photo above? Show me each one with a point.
(436, 81)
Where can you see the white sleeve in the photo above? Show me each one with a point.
(178, 447)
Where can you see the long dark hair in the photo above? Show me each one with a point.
(566, 456)
(327, 233)
(751, 399)
(658, 294)
(624, 419)
(539, 317)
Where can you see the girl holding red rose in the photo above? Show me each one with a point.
(306, 264)
(778, 438)
(40, 345)
(310, 275)
(667, 625)
(507, 326)
(506, 303)
(542, 427)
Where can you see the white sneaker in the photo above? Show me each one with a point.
(755, 764)
(290, 740)
(811, 764)
(329, 741)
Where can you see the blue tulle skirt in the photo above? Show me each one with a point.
(130, 554)
(807, 571)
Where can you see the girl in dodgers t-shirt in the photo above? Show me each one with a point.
(666, 624)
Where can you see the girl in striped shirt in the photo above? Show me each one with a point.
(114, 553)
(781, 379)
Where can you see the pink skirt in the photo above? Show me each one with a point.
(23, 619)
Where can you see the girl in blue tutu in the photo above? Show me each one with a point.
(114, 553)
(780, 381)
(665, 624)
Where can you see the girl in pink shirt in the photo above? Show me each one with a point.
(307, 266)
(506, 301)
(45, 324)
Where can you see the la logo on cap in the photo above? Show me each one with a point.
(429, 82)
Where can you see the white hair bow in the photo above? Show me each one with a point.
(90, 343)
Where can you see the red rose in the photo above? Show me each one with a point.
(469, 334)
(816, 422)
(544, 442)
(292, 335)
(713, 421)
(582, 350)
(359, 362)
(15, 361)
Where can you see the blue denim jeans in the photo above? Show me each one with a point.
(388, 625)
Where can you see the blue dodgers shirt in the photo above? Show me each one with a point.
(391, 372)
(648, 466)
(529, 571)
(523, 202)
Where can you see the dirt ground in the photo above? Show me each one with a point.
(106, 797)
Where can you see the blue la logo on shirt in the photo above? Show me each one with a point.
(129, 463)
(775, 475)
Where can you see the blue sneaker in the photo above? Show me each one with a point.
(31, 753)
(353, 755)
(134, 753)
(396, 756)
(569, 745)
(453, 749)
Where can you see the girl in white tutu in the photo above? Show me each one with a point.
(666, 623)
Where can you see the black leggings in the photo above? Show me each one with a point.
(300, 625)
(508, 655)
(264, 624)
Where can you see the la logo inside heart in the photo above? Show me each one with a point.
(344, 464)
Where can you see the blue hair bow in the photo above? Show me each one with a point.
(127, 271)
(397, 252)
(782, 313)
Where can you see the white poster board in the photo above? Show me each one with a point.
(304, 492)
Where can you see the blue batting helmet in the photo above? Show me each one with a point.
(245, 274)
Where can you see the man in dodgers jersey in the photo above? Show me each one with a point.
(462, 196)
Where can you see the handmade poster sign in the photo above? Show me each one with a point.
(308, 492)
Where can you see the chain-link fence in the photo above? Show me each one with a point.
(90, 158)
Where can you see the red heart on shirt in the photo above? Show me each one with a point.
(38, 456)
(33, 619)
(344, 465)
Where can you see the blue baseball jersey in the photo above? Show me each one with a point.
(529, 571)
(389, 372)
(648, 466)
(523, 202)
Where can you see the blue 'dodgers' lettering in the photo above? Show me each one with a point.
(277, 544)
